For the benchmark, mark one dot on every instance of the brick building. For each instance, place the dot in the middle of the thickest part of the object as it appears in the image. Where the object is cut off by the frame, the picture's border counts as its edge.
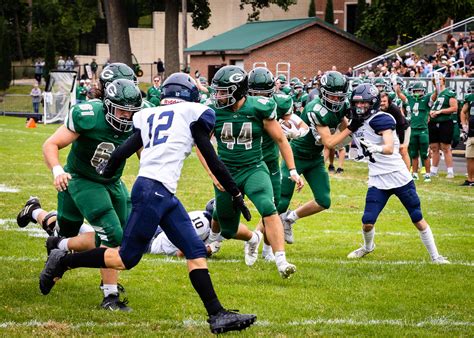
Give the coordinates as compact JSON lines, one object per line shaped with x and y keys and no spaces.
{"x":308,"y":45}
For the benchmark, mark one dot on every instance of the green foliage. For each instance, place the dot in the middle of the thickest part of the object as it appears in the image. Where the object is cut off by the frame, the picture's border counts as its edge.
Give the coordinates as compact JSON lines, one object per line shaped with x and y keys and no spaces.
{"x":361,"y":6}
{"x":393,"y":292}
{"x":386,"y":20}
{"x":200,"y":13}
{"x":5,"y":61}
{"x":257,"y":5}
{"x":329,"y":13}
{"x":312,"y":9}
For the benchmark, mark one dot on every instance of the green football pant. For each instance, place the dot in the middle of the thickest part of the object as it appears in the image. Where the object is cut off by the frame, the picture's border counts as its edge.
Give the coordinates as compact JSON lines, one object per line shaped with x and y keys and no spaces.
{"x":255,"y":183}
{"x":105,"y":206}
{"x":275,"y":177}
{"x":316,"y":176}
{"x":419,"y":143}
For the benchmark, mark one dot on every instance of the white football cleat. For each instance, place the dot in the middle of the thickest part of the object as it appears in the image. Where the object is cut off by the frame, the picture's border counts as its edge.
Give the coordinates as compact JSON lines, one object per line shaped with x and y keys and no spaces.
{"x":287,"y":227}
{"x":359,"y":253}
{"x":251,"y":250}
{"x":449,"y":176}
{"x":286,"y":270}
{"x":440,"y":260}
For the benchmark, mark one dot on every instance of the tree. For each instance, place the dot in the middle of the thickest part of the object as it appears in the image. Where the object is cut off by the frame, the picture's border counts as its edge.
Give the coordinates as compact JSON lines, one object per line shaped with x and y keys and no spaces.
{"x":117,"y":32}
{"x":329,"y":14}
{"x":312,"y":9}
{"x":171,"y":33}
{"x":257,"y":5}
{"x":361,"y":5}
{"x":384,"y":20}
{"x":5,"y":61}
{"x":49,"y":56}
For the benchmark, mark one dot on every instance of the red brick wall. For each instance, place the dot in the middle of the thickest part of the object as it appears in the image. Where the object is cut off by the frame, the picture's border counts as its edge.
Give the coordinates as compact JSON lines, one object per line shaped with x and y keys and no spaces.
{"x":308,"y":51}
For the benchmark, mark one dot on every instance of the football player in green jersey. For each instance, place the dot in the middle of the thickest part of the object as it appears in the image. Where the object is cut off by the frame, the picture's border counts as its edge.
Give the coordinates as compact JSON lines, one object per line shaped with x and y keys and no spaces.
{"x":262,"y":83}
{"x":241,"y":121}
{"x":441,"y":125}
{"x":93,"y":130}
{"x":299,"y":98}
{"x":419,"y":104}
{"x":154,"y":92}
{"x":467,"y":123}
{"x":323,"y":113}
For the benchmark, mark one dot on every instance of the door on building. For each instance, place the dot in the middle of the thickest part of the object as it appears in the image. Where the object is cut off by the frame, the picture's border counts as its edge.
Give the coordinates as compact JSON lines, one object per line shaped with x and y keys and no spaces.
{"x":212,"y":70}
{"x":351,"y":12}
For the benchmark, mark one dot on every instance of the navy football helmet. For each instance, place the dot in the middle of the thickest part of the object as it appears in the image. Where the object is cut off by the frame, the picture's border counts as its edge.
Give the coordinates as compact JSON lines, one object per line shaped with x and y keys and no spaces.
{"x":180,"y":86}
{"x":365,"y":93}
{"x":210,"y":206}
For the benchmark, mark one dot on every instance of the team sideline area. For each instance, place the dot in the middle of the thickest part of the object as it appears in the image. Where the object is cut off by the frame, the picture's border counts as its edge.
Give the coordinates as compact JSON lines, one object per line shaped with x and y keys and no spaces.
{"x":394,"y":291}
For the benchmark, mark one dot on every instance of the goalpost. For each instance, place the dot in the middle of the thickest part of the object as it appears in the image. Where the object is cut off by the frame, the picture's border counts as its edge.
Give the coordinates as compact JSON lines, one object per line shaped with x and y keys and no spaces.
{"x":59,"y":95}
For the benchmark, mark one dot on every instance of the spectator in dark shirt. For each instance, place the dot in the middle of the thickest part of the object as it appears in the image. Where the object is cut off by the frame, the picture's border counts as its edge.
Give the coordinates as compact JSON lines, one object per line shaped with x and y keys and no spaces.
{"x":402,"y":125}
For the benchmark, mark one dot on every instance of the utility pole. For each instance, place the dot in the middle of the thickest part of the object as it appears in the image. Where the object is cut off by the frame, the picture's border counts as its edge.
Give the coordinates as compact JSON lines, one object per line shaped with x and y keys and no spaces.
{"x":184,"y":8}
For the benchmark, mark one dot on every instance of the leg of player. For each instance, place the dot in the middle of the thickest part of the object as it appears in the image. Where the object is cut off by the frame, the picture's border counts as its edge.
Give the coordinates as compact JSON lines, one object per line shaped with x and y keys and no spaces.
{"x":428,"y":240}
{"x":434,"y":147}
{"x":32,"y":212}
{"x":267,"y":251}
{"x":448,"y":158}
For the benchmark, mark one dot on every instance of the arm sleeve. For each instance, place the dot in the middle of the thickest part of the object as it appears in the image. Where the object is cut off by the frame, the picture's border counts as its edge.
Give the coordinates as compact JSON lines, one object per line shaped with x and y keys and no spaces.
{"x":200,"y":133}
{"x":125,"y":150}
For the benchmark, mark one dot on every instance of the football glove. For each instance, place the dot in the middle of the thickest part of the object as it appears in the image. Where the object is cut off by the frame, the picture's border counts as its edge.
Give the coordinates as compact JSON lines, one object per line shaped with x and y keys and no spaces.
{"x":239,"y":204}
{"x":355,"y":123}
{"x":291,"y":132}
{"x":372,"y":148}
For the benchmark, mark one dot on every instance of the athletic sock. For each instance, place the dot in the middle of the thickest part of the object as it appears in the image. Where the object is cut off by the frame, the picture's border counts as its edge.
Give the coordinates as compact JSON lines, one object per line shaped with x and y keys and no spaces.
{"x":109,"y":289}
{"x":369,"y":239}
{"x":213,"y":236}
{"x":280,"y":258}
{"x":201,"y":281}
{"x":254,"y":238}
{"x":94,"y":258}
{"x":434,"y":170}
{"x":450,"y":170}
{"x":292,"y":216}
{"x":428,"y":240}
{"x":267,"y":249}
{"x":36,"y":213}
{"x":62,"y":245}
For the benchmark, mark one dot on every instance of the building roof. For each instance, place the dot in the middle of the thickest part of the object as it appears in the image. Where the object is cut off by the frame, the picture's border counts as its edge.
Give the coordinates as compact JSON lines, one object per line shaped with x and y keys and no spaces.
{"x":253,"y":35}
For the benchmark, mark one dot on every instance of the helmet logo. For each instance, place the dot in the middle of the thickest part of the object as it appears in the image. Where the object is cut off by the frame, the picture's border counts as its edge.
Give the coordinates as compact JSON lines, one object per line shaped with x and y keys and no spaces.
{"x":234,"y":78}
{"x":107,"y":74}
{"x":324,"y":80}
{"x":111,"y":90}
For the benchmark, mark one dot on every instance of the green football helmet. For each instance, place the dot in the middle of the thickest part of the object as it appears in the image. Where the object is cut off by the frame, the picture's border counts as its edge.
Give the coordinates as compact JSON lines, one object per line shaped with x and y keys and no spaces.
{"x":116,"y":71}
{"x":355,"y":83}
{"x":282,"y":79}
{"x":401,"y":83}
{"x":333,"y":91}
{"x":298,"y":87}
{"x":121,"y":94}
{"x":418,"y":89}
{"x":230,"y":84}
{"x":261,"y":82}
{"x":381,"y":84}
{"x":203,"y":80}
{"x":293,"y":81}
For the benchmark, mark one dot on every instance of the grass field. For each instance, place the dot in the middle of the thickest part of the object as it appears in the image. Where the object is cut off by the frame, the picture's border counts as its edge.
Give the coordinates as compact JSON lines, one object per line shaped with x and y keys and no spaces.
{"x":395,"y":291}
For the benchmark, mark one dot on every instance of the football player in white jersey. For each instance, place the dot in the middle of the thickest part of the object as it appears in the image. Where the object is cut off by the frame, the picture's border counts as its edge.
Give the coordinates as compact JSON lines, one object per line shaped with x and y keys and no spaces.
{"x":167,"y":135}
{"x":161,"y":244}
{"x":388,"y":174}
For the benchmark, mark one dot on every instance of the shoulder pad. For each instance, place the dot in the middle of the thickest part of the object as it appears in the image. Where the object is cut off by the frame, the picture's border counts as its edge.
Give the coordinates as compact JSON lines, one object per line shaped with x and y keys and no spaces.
{"x":264,"y":105}
{"x":84,"y":115}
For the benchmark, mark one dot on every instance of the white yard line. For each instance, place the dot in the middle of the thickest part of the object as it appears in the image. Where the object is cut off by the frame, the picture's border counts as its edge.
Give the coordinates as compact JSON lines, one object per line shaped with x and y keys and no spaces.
{"x":444,"y":322}
{"x":5,"y":188}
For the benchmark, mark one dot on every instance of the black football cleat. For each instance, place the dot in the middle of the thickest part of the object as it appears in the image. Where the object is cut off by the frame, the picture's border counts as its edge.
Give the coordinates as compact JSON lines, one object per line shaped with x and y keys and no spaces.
{"x":52,"y":271}
{"x":230,"y":320}
{"x":52,"y":243}
{"x":113,"y":303}
{"x":25,"y":216}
